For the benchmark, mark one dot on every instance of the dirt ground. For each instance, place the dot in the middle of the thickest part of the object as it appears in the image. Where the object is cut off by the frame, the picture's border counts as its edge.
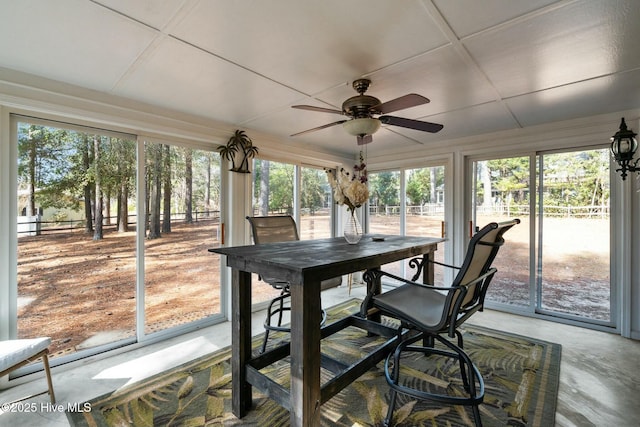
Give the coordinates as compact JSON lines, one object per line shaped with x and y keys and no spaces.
{"x":81,"y":292}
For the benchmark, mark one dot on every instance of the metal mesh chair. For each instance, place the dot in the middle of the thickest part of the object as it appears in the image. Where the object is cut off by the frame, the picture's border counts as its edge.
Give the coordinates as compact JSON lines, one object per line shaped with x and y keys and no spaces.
{"x":271,"y":229}
{"x":429,"y":312}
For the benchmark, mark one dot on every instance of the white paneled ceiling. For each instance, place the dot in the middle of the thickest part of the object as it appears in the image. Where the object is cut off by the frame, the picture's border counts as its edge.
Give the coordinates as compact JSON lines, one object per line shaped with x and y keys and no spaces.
{"x":486,"y":65}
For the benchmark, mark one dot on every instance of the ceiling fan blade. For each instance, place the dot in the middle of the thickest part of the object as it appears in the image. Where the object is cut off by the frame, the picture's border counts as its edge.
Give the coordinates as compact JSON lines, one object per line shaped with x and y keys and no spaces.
{"x":364,"y":139}
{"x":411,"y":124}
{"x":318,"y":109}
{"x":407,"y":101}
{"x":339,"y":122}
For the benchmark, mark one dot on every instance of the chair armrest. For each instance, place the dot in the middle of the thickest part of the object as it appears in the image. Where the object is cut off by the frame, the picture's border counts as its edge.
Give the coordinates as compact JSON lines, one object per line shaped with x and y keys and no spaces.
{"x":418,"y":264}
{"x":377,"y":274}
{"x":443,"y":264}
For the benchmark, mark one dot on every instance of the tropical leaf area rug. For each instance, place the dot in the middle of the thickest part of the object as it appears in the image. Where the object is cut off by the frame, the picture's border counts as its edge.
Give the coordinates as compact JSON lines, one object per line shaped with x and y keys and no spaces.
{"x":521,"y":385}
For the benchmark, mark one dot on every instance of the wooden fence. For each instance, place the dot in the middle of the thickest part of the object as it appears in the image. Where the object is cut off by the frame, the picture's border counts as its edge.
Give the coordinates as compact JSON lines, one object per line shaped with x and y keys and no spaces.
{"x":437,"y":209}
{"x":35,"y":227}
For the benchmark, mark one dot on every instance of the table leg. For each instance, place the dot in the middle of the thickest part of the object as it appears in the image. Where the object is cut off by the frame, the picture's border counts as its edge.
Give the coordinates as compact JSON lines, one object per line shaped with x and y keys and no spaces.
{"x":376,"y":290}
{"x":305,"y":354}
{"x":240,"y":341}
{"x":428,"y":278}
{"x":428,"y":272}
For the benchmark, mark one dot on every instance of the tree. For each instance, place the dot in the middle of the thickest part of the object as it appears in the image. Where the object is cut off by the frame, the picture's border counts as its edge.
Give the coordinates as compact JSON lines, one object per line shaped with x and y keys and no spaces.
{"x":207,"y":188}
{"x":154,"y":172}
{"x":419,"y":186}
{"x":264,"y":187}
{"x":205,"y":180}
{"x":188,"y":185}
{"x":32,"y":146}
{"x":41,"y":163}
{"x":313,"y":189}
{"x":281,"y":187}
{"x":123,"y":160}
{"x":385,"y":188}
{"x":87,"y":190}
{"x":166,"y":193}
{"x":98,"y":232}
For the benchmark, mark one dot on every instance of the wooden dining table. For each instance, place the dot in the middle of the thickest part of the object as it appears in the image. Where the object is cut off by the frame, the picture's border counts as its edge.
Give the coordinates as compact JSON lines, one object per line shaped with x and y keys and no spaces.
{"x":304,"y":264}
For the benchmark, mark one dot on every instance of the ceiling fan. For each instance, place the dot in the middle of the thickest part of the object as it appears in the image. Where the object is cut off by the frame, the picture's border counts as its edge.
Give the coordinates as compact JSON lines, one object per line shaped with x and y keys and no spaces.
{"x":361,"y":108}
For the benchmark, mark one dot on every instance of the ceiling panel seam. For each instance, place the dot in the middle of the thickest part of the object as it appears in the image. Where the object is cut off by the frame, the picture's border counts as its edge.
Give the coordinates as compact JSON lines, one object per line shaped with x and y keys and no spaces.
{"x":468,"y":59}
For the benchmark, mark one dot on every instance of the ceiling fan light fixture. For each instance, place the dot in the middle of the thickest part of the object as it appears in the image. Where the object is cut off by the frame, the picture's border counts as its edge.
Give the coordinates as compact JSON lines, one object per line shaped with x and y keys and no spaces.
{"x":361,"y":109}
{"x":361,"y":126}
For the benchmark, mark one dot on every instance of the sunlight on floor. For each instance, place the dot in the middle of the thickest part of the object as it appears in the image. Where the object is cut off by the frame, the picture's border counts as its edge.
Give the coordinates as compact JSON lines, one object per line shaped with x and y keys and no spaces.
{"x":159,"y":361}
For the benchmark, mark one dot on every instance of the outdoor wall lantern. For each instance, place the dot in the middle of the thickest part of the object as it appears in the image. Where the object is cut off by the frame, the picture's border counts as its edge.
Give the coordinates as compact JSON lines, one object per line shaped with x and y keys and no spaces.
{"x":623,"y":148}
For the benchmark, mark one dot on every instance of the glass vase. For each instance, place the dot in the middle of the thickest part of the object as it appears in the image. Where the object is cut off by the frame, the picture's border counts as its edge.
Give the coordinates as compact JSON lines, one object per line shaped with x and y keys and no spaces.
{"x":352,"y":229}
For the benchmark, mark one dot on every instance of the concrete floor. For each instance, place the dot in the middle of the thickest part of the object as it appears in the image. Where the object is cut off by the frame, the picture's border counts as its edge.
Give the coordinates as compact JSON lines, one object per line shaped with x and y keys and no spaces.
{"x":599,"y":374}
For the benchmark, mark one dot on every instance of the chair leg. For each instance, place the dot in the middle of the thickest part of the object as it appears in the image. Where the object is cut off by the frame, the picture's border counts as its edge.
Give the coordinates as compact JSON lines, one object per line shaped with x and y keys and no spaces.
{"x":270,"y":313}
{"x":280,"y":309}
{"x":392,"y":404}
{"x":264,"y":341}
{"x":45,"y":362}
{"x":463,"y":370}
{"x":267,"y":327}
{"x":283,"y":295}
{"x":393,"y":378}
{"x":427,"y":342}
{"x":468,"y":372}
{"x":476,"y":415}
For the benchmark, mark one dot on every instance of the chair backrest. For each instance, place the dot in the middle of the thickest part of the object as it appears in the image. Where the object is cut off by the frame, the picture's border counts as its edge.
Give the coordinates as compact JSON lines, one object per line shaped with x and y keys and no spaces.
{"x":271,"y":229}
{"x":482,"y":250}
{"x":281,"y":228}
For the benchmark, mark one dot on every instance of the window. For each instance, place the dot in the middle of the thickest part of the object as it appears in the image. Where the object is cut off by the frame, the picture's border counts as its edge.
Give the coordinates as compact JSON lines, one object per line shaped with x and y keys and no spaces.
{"x":408,"y":202}
{"x":276,"y":192}
{"x":315,"y":204}
{"x":424,"y":188}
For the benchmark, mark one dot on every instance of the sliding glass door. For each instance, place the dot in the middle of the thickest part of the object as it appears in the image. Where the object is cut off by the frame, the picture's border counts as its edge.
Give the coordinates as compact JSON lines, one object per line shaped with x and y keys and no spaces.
{"x":567,"y":212}
{"x":574,"y":235}
{"x":502,"y":191}
{"x":98,"y":214}
{"x":76,"y":242}
{"x":182,"y":282}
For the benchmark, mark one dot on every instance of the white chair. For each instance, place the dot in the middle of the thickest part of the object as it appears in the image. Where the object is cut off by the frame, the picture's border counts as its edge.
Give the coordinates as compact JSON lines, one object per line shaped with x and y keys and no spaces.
{"x":17,"y":353}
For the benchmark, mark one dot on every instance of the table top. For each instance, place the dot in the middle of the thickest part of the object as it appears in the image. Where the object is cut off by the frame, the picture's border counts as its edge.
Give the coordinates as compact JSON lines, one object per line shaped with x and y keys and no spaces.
{"x":321,"y":259}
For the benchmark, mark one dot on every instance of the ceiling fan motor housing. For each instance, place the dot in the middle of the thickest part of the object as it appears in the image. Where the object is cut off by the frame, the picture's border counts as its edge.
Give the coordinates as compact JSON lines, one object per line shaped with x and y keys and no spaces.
{"x":360,"y":106}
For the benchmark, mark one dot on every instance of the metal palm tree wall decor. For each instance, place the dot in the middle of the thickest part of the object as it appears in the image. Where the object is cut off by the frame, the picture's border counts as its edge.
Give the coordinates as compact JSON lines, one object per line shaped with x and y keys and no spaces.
{"x":239,"y":142}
